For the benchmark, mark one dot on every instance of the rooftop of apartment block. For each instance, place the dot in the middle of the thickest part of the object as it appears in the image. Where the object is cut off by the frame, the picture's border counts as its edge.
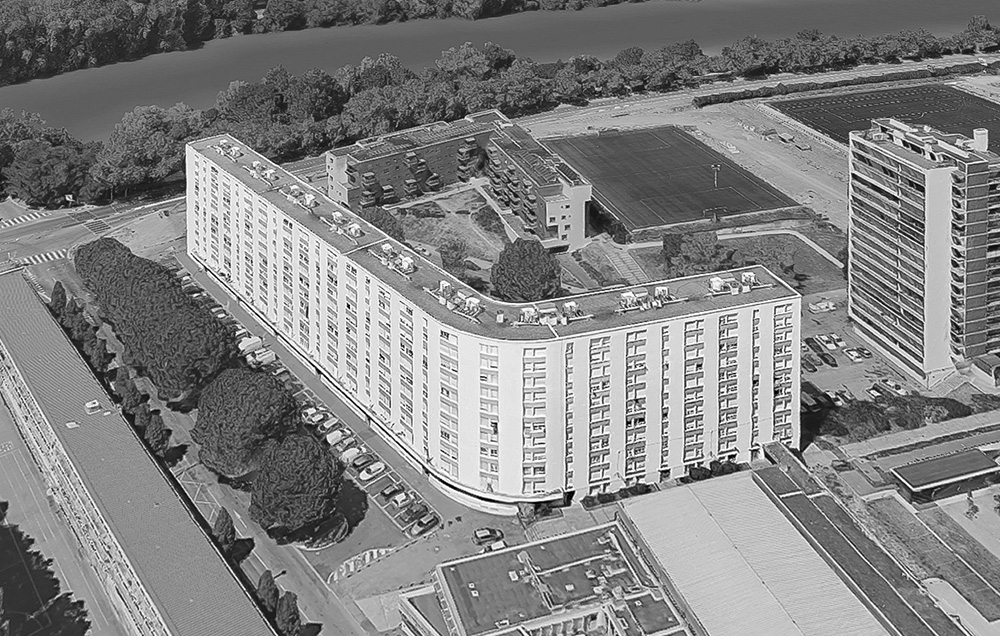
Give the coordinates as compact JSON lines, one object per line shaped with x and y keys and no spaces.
{"x":451,"y":301}
{"x":598,"y":568}
{"x":191,"y":585}
{"x":413,"y":139}
{"x":916,"y":142}
{"x":540,"y":164}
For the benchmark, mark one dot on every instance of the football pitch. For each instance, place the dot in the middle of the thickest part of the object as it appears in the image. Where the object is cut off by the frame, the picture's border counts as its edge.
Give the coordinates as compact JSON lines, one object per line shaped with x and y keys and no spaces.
{"x":940,"y":106}
{"x":663,"y":176}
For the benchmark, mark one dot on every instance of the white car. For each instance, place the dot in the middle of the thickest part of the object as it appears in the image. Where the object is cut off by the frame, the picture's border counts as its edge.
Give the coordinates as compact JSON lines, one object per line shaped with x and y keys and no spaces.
{"x":837,"y":340}
{"x":348,"y":455}
{"x":853,"y":355}
{"x":337,"y":436}
{"x":318,"y":418}
{"x":328,"y":425}
{"x":372,"y":471}
{"x":401,"y":500}
{"x":826,"y":342}
{"x":309,"y":411}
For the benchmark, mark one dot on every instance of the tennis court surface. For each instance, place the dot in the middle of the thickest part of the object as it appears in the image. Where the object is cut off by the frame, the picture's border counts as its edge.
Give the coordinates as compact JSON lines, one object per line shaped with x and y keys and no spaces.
{"x":663,"y":176}
{"x":939,"y":106}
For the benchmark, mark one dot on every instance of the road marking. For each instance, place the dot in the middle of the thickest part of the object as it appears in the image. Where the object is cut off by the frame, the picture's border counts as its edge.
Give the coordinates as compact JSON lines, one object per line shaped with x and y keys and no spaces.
{"x":44,"y":257}
{"x":156,"y":203}
{"x":24,"y":219}
{"x":97,"y":226}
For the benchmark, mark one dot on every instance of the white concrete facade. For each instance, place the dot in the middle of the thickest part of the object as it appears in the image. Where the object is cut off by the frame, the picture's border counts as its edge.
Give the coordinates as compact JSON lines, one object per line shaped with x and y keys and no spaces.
{"x":496,"y":420}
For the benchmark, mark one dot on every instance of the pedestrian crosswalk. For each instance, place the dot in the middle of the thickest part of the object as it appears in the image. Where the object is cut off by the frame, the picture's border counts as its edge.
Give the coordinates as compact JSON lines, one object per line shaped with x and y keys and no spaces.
{"x":97,"y":226}
{"x":359,"y":562}
{"x":24,"y":219}
{"x":45,"y":257}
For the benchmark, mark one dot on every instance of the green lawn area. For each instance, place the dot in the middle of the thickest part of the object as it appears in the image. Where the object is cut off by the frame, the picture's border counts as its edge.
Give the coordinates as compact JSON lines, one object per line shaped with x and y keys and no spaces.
{"x":787,"y":256}
{"x":433,"y":223}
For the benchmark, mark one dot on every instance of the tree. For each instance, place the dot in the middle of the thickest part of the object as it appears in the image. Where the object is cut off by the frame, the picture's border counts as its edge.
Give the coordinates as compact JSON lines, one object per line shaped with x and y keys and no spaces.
{"x":142,"y":416}
{"x":237,"y":413}
{"x":385,"y":221}
{"x":147,"y":146}
{"x":98,"y":355}
{"x":42,"y":174}
{"x":157,"y":435}
{"x":316,"y":96}
{"x":287,"y":616}
{"x":57,"y":305}
{"x":166,"y":334}
{"x":267,"y":592}
{"x":672,"y":245}
{"x":127,"y":390}
{"x":453,"y":253}
{"x":971,"y":510}
{"x":525,"y":272}
{"x":224,"y":531}
{"x":297,"y":485}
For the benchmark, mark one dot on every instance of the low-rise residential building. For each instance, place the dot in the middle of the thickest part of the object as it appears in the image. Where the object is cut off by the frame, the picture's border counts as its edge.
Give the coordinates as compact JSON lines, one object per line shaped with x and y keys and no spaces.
{"x":500,"y":403}
{"x":162,"y":573}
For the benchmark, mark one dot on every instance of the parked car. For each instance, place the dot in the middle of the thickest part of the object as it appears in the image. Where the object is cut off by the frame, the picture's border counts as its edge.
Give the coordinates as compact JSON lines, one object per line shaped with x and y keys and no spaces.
{"x":814,"y":344}
{"x":893,"y":386}
{"x":391,"y":491}
{"x":837,"y":340}
{"x":845,"y":397}
{"x":336,"y":436}
{"x":828,"y":359}
{"x":348,"y":455}
{"x":413,"y":512}
{"x":372,"y":471}
{"x":424,"y":525}
{"x":827,"y":342}
{"x":808,"y":366}
{"x":865,"y":353}
{"x":241,"y":333}
{"x":493,"y":547}
{"x":279,"y":371}
{"x":876,"y":392}
{"x":812,"y":360}
{"x":363,"y":461}
{"x":853,"y":355}
{"x":836,"y":399}
{"x":401,"y":500}
{"x":344,"y":444}
{"x":804,"y":347}
{"x":309,"y":411}
{"x":484,"y":536}
{"x":328,"y":425}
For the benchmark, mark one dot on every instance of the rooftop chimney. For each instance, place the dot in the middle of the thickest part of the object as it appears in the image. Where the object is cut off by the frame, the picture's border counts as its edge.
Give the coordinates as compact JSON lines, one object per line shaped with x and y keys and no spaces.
{"x":981,"y":139}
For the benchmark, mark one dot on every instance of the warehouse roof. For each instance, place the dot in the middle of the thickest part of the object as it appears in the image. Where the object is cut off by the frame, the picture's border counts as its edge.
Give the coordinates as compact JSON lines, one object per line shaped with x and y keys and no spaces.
{"x":948,"y":469}
{"x":192,"y":587}
{"x":741,"y":565}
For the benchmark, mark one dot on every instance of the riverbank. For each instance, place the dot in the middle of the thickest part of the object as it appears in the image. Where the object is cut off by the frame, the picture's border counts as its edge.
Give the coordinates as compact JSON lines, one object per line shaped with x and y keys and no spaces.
{"x":89,"y":103}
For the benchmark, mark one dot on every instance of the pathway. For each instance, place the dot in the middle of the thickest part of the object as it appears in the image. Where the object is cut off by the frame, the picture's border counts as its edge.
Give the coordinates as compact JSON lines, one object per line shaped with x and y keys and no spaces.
{"x":624,"y":263}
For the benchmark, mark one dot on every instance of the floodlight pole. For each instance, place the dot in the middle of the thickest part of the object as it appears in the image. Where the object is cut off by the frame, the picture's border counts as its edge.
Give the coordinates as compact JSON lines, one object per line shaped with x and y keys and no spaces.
{"x":715,"y":173}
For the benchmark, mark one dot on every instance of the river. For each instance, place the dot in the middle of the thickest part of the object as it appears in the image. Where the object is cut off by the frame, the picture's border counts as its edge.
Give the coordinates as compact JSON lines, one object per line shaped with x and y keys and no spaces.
{"x":90,"y":102}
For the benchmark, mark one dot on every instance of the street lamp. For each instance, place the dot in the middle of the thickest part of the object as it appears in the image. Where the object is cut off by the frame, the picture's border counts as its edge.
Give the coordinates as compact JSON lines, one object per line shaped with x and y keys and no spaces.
{"x":715,"y":173}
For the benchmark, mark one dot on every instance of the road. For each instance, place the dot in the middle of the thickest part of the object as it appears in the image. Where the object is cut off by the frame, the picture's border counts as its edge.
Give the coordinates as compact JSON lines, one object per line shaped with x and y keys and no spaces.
{"x":573,"y":118}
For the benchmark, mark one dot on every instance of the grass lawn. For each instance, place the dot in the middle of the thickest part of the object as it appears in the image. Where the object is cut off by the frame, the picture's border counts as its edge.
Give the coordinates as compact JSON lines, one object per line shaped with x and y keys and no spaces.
{"x":984,"y":562}
{"x":935,"y":557}
{"x":809,"y":273}
{"x":595,"y":262}
{"x":435,"y":231}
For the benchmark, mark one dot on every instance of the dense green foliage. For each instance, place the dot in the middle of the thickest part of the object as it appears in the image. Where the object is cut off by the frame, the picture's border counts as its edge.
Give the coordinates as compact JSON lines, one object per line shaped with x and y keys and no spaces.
{"x":385,"y":221}
{"x":224,"y":531}
{"x":31,"y":600}
{"x":237,"y":413}
{"x":286,"y":117}
{"x":267,"y":592}
{"x":296,"y":487}
{"x":863,"y":419}
{"x":525,"y":272}
{"x":287,"y":616}
{"x":130,"y":395}
{"x":156,"y":434}
{"x":166,"y":335}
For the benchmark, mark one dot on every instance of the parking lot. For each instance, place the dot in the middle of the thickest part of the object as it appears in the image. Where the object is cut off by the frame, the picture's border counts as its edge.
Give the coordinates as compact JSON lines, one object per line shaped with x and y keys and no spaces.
{"x":403,"y":506}
{"x":853,"y":378}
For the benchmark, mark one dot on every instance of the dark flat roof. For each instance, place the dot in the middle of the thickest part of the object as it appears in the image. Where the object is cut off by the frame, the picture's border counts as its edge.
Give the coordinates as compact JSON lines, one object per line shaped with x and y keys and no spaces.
{"x":191,"y":586}
{"x":931,"y":473}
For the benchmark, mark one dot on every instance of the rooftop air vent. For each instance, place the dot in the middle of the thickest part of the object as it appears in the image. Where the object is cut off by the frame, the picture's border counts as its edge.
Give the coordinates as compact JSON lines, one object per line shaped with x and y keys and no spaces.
{"x":72,"y":425}
{"x":92,"y":407}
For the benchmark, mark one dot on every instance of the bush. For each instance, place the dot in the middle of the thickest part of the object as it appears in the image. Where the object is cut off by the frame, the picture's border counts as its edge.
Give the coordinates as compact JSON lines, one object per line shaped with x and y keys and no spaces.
{"x":489,"y":219}
{"x":606,"y":497}
{"x":589,"y":501}
{"x":525,"y":272}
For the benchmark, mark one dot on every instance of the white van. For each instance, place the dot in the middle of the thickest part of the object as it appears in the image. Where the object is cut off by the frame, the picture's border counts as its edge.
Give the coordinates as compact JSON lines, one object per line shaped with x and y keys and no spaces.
{"x":337,"y":435}
{"x":348,"y":455}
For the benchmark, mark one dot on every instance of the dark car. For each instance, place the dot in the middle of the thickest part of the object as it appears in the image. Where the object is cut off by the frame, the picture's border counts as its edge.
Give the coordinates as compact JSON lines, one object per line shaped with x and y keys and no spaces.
{"x":363,"y":461}
{"x":391,"y":491}
{"x":424,"y":525}
{"x":808,"y":366}
{"x":865,"y":353}
{"x":828,"y":359}
{"x":486,"y":536}
{"x":814,"y":344}
{"x":413,"y":512}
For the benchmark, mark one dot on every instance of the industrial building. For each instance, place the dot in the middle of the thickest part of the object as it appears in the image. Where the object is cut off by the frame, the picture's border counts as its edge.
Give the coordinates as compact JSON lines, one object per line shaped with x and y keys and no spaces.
{"x":542,"y":195}
{"x":161,"y":572}
{"x":924,"y":271}
{"x":500,"y":403}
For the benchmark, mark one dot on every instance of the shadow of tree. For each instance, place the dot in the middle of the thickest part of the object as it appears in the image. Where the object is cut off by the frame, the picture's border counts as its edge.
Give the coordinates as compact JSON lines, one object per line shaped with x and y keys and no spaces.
{"x":241,"y":550}
{"x":175,"y":454}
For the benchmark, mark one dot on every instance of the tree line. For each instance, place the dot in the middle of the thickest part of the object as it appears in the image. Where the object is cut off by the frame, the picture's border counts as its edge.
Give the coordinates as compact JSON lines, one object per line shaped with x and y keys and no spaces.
{"x":285,"y":116}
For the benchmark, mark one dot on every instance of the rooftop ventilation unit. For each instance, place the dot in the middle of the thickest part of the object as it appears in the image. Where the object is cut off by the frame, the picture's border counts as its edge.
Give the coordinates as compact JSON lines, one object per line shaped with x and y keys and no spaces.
{"x":354,"y":230}
{"x":72,"y":425}
{"x":748,"y":278}
{"x":92,"y":407}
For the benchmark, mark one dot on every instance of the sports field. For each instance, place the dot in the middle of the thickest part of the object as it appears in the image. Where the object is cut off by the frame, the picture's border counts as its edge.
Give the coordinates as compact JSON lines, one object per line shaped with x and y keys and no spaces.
{"x":937,"y":105}
{"x":663,"y":176}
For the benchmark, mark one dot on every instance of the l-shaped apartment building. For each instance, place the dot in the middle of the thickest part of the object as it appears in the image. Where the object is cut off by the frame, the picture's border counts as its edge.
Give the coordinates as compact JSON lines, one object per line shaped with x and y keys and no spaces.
{"x":500,"y":403}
